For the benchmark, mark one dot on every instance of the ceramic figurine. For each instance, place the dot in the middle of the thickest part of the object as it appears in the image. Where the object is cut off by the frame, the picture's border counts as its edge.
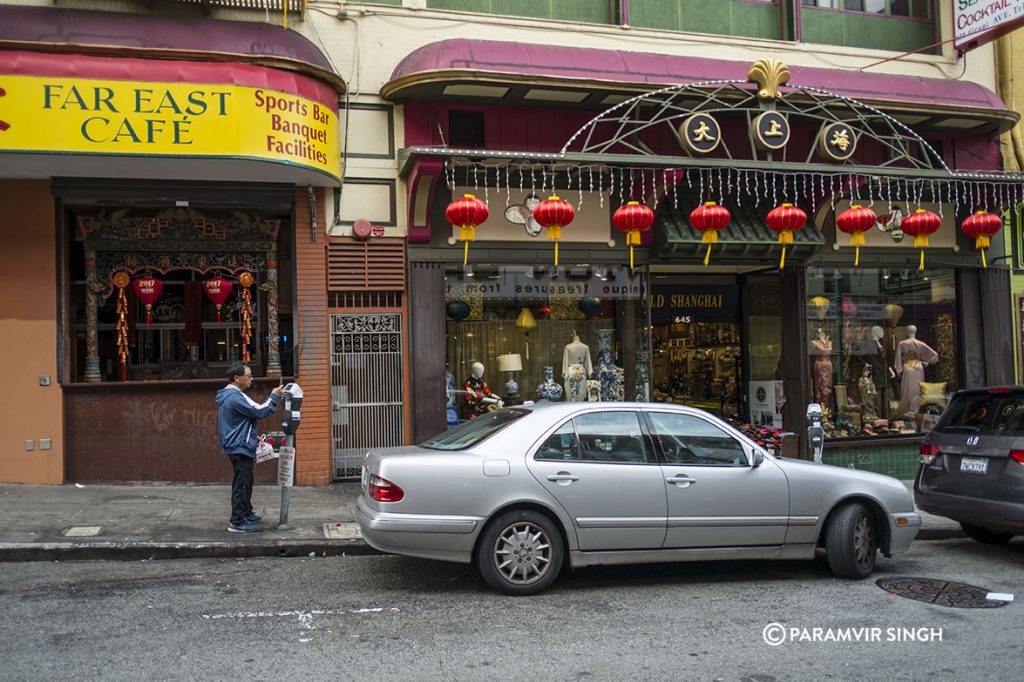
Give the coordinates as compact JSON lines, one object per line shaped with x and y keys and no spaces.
{"x":605,"y":371}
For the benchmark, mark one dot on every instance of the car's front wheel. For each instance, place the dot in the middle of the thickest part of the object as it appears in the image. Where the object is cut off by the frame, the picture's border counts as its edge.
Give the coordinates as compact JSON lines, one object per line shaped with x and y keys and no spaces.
{"x":989,"y":537}
{"x":520,"y":552}
{"x":851,"y":541}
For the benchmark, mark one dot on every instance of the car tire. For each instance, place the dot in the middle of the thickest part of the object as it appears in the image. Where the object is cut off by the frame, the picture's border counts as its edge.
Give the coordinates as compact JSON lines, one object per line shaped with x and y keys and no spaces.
{"x":520,"y":553}
{"x":851,"y":541}
{"x":989,"y":537}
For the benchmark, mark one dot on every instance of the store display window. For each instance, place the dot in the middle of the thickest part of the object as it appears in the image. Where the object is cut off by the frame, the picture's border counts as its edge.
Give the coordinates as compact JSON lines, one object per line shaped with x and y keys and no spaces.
{"x":882,"y":348}
{"x":531,"y":333}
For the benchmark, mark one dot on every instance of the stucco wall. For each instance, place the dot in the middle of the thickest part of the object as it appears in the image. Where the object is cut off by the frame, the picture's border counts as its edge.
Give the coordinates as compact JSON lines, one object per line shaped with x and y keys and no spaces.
{"x":28,"y":336}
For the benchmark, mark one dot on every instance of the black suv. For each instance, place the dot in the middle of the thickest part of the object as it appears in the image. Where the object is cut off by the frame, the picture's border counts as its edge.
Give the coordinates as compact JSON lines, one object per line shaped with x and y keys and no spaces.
{"x":972,"y":464}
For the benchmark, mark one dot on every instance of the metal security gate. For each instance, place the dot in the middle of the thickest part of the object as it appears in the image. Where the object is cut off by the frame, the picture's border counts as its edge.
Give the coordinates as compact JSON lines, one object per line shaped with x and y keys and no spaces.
{"x":366,"y":387}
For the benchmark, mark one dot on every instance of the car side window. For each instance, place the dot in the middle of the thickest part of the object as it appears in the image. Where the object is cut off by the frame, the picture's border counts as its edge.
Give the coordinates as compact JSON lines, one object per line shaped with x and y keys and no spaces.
{"x":611,"y":437}
{"x":560,"y":445}
{"x":686,"y":439}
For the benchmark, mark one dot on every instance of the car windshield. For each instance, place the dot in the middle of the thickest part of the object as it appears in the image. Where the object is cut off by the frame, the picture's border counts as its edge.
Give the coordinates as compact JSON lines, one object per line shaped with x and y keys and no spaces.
{"x":987,"y":414}
{"x":475,"y":430}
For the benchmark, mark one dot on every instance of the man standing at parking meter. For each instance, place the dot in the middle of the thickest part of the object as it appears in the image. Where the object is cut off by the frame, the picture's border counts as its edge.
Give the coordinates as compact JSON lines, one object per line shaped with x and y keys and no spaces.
{"x":237,"y":415}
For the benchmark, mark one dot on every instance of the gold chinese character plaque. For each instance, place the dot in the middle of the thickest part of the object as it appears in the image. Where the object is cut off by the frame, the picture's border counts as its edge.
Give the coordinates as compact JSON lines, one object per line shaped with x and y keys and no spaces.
{"x":700,"y":133}
{"x":837,"y":141}
{"x":771,"y":130}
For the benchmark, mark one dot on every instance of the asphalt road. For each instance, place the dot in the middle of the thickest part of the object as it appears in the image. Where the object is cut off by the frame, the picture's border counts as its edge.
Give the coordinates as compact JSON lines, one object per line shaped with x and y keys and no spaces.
{"x":387,"y":618}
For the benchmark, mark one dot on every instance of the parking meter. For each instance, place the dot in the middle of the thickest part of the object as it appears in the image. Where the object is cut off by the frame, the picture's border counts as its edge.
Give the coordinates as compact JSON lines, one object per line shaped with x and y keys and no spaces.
{"x":291,"y":415}
{"x":290,"y":419}
{"x":815,"y":431}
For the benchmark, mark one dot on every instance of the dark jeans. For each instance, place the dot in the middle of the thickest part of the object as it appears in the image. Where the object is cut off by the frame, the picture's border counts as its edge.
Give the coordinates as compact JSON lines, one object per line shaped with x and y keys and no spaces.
{"x":241,"y":487}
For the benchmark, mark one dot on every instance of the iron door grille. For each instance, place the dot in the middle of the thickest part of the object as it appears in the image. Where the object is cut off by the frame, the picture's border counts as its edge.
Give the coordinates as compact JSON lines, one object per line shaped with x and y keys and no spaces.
{"x":366,"y":387}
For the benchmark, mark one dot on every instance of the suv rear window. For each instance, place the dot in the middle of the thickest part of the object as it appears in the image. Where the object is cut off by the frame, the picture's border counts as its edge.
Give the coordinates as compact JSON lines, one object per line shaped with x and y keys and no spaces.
{"x":987,"y":414}
{"x":475,"y":430}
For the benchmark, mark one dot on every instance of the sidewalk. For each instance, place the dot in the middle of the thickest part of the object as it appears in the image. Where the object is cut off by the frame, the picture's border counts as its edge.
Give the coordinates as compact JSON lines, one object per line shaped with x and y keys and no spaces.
{"x":135,"y":522}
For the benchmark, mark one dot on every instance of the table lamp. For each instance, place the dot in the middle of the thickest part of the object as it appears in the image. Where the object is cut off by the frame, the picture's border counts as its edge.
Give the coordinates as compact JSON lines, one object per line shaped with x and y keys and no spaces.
{"x":510,"y":362}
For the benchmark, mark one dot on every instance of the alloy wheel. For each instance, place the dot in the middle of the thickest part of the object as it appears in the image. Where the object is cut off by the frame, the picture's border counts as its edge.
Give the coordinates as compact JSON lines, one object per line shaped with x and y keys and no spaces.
{"x":522,"y":553}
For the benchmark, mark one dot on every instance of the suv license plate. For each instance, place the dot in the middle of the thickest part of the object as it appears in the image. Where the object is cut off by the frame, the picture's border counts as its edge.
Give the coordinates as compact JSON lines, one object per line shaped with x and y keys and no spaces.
{"x":974,"y":465}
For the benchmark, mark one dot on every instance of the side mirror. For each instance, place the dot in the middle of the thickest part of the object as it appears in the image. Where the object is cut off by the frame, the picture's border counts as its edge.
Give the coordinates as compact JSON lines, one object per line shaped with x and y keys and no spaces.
{"x":758,"y":458}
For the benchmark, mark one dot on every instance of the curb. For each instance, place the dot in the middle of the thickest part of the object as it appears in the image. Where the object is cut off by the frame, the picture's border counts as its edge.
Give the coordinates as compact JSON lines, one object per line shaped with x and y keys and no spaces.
{"x":144,"y":551}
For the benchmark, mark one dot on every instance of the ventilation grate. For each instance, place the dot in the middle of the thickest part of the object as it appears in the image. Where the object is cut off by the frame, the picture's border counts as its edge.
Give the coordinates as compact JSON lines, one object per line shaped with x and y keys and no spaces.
{"x":376,"y":265}
{"x":365,"y":299}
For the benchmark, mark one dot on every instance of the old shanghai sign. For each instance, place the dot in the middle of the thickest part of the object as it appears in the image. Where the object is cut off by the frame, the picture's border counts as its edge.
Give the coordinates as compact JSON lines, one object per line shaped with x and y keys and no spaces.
{"x":979,"y":21}
{"x":80,"y":115}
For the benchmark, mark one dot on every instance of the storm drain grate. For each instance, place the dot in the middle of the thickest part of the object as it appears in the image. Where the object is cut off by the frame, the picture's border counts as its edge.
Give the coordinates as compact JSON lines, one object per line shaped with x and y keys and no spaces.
{"x":942,"y":592}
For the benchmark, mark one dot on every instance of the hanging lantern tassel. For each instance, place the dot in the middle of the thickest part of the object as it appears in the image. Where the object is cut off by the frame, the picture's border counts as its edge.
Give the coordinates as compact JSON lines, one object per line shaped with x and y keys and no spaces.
{"x":121,"y":280}
{"x":855,"y":221}
{"x":633,"y":218}
{"x":709,"y":218}
{"x":919,"y":225}
{"x":786,"y":219}
{"x":246,"y":280}
{"x":981,"y":226}
{"x":554,"y":213}
{"x":467,"y":213}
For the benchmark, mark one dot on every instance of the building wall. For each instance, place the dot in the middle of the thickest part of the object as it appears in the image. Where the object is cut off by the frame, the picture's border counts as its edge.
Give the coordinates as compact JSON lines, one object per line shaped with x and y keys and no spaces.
{"x":313,"y":439}
{"x":28,"y":329}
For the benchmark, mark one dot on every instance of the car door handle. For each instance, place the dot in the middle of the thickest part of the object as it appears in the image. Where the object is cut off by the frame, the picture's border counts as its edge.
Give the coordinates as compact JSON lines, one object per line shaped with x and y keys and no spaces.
{"x":563,"y":476}
{"x":681,"y":480}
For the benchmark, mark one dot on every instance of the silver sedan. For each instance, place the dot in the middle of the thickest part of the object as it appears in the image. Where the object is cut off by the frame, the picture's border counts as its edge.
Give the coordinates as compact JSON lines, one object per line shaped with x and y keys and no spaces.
{"x":526,"y":492}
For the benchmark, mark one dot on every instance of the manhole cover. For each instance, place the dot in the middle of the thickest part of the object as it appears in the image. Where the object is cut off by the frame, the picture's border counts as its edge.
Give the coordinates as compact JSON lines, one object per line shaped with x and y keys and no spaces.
{"x":942,"y":592}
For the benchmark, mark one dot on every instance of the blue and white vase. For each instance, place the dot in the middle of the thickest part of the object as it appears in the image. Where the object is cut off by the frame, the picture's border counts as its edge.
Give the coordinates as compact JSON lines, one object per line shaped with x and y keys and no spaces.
{"x":549,"y":390}
{"x":605,"y":371}
{"x":449,"y":390}
{"x":643,"y":373}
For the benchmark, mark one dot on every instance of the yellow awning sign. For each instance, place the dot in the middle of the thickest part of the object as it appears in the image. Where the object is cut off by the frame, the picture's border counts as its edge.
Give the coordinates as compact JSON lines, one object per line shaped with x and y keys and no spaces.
{"x":76,"y":115}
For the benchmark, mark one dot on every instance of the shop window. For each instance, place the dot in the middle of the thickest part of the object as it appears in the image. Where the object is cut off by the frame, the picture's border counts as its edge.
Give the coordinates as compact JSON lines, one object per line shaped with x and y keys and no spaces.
{"x":882,"y":352}
{"x":896,"y":25}
{"x":183,"y":335}
{"x":536,"y":334}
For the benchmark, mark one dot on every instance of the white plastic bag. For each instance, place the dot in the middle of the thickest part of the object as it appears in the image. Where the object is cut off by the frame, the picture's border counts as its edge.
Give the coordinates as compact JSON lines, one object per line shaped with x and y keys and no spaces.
{"x":264,"y":450}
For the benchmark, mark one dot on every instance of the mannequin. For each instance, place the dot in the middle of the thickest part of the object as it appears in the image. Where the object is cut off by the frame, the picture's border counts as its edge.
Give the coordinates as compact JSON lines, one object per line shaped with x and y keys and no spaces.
{"x":479,"y":397}
{"x":576,"y":368}
{"x":868,"y":396}
{"x":912,"y":356}
{"x":821,"y":348}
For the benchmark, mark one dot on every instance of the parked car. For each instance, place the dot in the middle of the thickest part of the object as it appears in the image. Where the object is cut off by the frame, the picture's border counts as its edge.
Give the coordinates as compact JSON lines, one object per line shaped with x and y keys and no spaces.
{"x":525,"y":491}
{"x":972,"y":464}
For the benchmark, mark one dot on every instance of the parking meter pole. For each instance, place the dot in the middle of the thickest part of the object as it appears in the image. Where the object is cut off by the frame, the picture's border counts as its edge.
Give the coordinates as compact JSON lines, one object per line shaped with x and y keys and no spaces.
{"x":282,"y":523}
{"x":815,"y":431}
{"x":290,"y":418}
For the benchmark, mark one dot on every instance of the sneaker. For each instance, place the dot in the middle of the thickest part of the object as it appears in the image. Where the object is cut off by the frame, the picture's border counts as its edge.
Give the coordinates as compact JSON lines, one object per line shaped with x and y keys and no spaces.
{"x":244,"y":527}
{"x":252,"y":518}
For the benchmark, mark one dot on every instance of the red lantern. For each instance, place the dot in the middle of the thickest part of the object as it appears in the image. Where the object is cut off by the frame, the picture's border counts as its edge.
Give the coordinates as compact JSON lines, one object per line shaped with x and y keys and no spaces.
{"x":633,"y":218}
{"x":709,"y":218}
{"x":554,"y":213}
{"x":217,"y":290}
{"x":121,"y":280}
{"x":919,"y":225}
{"x":148,"y":289}
{"x":246,"y":280}
{"x":855,"y":221}
{"x":786,"y":219}
{"x":981,"y":226}
{"x":467,"y":213}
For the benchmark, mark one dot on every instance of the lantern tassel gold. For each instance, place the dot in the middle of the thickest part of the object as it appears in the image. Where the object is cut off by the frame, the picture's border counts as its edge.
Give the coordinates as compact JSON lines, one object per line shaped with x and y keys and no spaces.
{"x":707,"y":255}
{"x":782,"y":261}
{"x":465,"y":253}
{"x":921,"y":266}
{"x":983,"y":263}
{"x":556,"y":254}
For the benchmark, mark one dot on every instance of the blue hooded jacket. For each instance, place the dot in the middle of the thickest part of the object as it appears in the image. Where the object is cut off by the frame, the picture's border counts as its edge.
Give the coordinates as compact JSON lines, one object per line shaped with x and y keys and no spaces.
{"x":237,"y":414}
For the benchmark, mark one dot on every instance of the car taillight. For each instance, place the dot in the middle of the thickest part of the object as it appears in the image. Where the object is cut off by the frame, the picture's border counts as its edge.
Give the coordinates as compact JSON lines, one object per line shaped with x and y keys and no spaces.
{"x":383,"y":490}
{"x":999,"y":390}
{"x":1017,"y":456}
{"x":929,"y":451}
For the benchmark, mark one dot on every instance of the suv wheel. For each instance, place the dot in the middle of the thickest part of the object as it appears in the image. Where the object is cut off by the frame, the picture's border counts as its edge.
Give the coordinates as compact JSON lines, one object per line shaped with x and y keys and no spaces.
{"x":989,"y":537}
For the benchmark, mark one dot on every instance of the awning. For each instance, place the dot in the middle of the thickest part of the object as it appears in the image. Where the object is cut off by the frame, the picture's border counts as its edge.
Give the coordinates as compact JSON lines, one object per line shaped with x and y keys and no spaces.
{"x":530,"y":74}
{"x":55,"y":29}
{"x":747,"y":237}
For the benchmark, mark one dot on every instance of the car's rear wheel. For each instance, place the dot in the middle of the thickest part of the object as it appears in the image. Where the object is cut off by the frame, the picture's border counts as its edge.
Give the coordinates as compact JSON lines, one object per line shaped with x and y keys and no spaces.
{"x":851,"y":541}
{"x":520,"y":552}
{"x":989,"y":537}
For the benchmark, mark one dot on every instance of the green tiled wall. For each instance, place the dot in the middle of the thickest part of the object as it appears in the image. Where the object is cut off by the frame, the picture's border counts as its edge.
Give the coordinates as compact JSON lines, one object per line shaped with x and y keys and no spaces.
{"x":894,"y":460}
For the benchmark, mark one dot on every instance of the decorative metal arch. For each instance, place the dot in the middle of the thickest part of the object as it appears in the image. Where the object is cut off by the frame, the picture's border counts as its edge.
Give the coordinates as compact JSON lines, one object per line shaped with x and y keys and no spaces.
{"x":617,"y":131}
